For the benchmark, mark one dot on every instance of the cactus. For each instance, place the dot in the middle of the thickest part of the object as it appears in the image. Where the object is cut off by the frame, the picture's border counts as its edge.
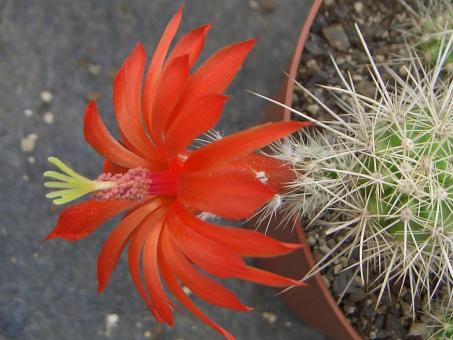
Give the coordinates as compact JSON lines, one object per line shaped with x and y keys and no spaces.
{"x":428,"y":24}
{"x":381,"y":176}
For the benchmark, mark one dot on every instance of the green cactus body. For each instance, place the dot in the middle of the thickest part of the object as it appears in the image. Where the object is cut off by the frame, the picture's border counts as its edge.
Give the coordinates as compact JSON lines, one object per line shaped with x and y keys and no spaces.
{"x":414,"y":160}
{"x":380,"y":176}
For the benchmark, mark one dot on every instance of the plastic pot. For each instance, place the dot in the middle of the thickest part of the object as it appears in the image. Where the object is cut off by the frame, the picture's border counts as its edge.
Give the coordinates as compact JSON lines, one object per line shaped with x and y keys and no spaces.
{"x":314,"y":304}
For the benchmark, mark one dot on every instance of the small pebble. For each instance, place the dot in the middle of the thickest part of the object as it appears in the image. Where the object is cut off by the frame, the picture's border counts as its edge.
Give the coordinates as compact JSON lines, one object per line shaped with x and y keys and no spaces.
{"x":418,"y":328}
{"x":31,"y":160}
{"x":336,"y":36}
{"x":313,"y":108}
{"x":28,"y":113}
{"x":340,"y":60}
{"x":48,"y":118}
{"x":254,"y":4}
{"x":337,"y":269}
{"x":269,"y":317}
{"x":147,"y":334}
{"x":268,"y":6}
{"x":46,"y":96}
{"x":312,"y":64}
{"x":426,"y":318}
{"x":329,"y":2}
{"x":28,"y":143}
{"x":358,"y":7}
{"x":358,"y":280}
{"x":311,"y":240}
{"x":94,"y":69}
{"x":402,"y":70}
{"x":350,"y":309}
{"x":111,"y":322}
{"x":406,"y":308}
{"x":379,"y":58}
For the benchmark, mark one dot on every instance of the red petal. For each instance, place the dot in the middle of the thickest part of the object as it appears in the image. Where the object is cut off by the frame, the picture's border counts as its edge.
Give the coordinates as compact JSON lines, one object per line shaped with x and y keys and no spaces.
{"x":216,"y":73}
{"x":126,"y":98}
{"x":231,"y":195}
{"x":191,"y":44}
{"x":239,"y":144}
{"x":155,"y":66}
{"x":200,"y":115}
{"x":171,"y":84}
{"x":114,"y":245}
{"x":81,"y":219}
{"x":112,"y":168}
{"x":242,"y":241}
{"x":134,"y":255}
{"x":277,"y":172}
{"x":267,"y":278}
{"x":200,"y":285}
{"x":212,"y":257}
{"x":174,"y":287}
{"x":217,"y":259}
{"x":102,"y":141}
{"x":151,"y":274}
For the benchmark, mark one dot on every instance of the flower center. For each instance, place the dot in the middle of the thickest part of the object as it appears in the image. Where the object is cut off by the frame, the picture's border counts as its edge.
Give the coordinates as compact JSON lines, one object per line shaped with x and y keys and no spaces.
{"x":134,"y":185}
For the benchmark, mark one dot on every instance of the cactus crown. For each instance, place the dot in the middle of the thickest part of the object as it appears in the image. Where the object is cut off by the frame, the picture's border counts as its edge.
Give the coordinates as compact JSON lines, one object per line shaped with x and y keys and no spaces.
{"x":381,"y":175}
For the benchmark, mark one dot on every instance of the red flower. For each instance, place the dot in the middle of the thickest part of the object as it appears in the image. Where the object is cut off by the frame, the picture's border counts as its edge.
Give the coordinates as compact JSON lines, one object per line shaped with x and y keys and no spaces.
{"x":163,"y":186}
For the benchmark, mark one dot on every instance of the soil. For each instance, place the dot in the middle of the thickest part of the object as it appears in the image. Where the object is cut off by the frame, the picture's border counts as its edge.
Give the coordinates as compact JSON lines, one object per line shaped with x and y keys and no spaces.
{"x":333,"y":33}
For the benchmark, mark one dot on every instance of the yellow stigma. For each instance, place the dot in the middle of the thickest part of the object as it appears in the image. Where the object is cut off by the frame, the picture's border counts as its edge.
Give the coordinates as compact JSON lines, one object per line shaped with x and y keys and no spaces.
{"x":71,"y":185}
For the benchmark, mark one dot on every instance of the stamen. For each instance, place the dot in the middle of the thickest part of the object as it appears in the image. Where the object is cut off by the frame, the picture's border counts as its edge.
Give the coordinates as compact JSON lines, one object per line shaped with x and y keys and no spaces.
{"x":134,"y":185}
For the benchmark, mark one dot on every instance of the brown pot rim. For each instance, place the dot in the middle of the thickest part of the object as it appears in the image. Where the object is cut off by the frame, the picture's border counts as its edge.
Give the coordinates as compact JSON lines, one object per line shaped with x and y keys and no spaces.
{"x":333,"y":322}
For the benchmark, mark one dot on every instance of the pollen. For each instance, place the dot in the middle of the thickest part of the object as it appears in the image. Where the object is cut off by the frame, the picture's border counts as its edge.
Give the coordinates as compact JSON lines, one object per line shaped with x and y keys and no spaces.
{"x":134,"y":185}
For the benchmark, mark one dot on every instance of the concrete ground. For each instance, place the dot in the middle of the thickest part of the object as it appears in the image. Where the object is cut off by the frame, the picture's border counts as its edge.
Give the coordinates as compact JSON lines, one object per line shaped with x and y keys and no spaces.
{"x":72,"y":49}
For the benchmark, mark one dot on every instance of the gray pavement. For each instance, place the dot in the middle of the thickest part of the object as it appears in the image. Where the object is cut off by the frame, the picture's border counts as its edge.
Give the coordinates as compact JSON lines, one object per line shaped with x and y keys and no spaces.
{"x":71,"y":48}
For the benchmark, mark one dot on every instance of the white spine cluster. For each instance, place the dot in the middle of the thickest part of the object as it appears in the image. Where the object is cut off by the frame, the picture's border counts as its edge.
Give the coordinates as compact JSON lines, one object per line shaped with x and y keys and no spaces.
{"x":381,"y":176}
